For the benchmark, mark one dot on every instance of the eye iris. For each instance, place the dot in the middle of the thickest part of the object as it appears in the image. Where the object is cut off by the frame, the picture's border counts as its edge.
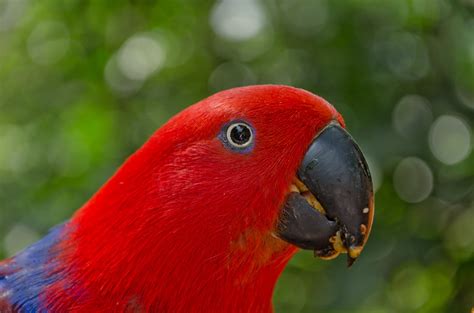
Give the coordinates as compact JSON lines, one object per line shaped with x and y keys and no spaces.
{"x":240,"y":134}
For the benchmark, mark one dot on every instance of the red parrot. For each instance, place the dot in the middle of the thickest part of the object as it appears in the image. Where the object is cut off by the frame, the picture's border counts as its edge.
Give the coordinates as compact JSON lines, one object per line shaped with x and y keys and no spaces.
{"x":207,"y":213}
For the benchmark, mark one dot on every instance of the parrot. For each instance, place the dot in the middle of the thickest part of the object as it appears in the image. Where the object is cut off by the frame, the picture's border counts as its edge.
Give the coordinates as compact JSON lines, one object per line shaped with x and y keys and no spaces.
{"x":205,"y":216}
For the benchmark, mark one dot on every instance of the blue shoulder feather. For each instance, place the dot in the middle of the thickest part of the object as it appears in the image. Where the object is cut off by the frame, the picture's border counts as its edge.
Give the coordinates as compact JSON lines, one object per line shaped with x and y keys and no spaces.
{"x":24,"y":277}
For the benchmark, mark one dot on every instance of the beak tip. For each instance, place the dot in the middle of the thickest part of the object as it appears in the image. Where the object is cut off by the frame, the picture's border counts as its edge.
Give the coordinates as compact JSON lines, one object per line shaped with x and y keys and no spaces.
{"x":350,"y":261}
{"x":353,"y":252}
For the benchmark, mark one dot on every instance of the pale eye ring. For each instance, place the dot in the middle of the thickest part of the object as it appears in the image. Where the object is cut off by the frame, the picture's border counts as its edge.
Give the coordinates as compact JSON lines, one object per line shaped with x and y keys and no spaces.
{"x":239,"y":135}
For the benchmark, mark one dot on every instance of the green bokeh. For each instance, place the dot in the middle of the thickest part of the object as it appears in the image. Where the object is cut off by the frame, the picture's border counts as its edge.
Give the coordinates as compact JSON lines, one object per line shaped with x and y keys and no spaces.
{"x":83,"y":84}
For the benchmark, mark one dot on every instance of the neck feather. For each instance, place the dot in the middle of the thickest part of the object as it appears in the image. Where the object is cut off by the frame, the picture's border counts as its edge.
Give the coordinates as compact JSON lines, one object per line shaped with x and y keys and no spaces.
{"x":165,"y":264}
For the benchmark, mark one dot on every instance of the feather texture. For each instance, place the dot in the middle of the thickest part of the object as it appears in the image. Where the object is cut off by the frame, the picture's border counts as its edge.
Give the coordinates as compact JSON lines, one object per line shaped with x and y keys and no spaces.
{"x":24,"y":278}
{"x":185,"y":225}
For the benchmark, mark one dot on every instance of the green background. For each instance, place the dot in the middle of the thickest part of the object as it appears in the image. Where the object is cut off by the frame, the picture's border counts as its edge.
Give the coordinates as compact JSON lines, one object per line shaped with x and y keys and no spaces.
{"x":84,"y":83}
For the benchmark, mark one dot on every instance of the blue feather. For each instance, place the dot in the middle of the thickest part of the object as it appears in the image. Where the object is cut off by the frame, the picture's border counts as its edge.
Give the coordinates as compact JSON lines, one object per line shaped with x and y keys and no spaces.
{"x":25,"y":277}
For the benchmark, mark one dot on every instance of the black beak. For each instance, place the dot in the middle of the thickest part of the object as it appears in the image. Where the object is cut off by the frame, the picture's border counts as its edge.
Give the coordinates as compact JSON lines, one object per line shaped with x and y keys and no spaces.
{"x":333,"y":175}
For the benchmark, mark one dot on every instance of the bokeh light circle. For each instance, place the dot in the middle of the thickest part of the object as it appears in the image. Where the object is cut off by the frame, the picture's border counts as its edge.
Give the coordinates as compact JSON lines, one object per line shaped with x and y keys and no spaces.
{"x":141,"y":56}
{"x":411,"y":114}
{"x":450,"y":139}
{"x":237,"y":20}
{"x":48,"y":42}
{"x":410,"y":288}
{"x":459,"y":237}
{"x":413,"y":180}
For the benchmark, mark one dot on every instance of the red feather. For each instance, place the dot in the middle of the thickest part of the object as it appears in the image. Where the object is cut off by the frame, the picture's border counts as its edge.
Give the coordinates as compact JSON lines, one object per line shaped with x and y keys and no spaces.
{"x":185,"y":225}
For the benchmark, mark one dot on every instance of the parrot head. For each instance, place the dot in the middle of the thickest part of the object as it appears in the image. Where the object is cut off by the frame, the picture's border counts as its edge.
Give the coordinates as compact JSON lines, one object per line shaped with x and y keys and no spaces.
{"x":217,"y":201}
{"x":278,"y":161}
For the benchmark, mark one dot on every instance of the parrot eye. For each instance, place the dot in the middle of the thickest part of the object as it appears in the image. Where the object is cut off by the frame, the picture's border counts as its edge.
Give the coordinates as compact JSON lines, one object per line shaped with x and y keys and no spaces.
{"x":237,"y":136}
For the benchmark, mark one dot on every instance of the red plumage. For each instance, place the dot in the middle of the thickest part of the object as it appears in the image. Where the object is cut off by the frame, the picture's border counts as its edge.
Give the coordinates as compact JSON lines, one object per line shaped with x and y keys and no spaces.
{"x":185,"y":225}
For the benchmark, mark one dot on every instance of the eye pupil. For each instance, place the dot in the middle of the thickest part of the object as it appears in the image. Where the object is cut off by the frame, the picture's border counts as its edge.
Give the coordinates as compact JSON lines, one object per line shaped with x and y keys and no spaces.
{"x":240,"y":134}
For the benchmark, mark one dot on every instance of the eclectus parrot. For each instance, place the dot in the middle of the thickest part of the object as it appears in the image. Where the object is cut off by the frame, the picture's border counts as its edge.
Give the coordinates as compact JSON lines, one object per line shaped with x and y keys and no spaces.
{"x":207,"y":213}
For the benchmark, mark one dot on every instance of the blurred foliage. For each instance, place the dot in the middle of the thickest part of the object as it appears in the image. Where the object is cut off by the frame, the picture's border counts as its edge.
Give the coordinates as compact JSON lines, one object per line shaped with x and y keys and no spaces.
{"x":83,"y":84}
